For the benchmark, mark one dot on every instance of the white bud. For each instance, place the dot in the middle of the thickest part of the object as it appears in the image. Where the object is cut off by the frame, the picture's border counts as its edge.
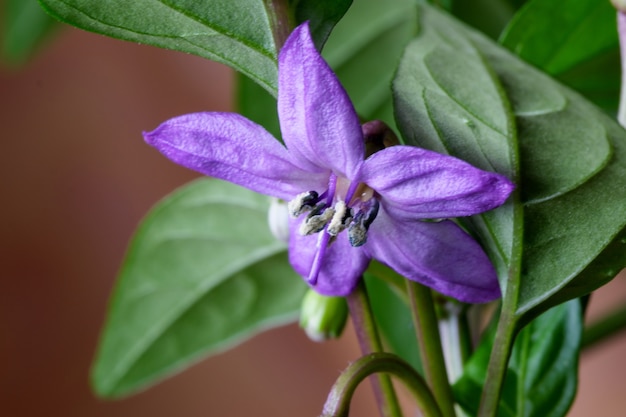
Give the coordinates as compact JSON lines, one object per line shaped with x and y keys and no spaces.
{"x":278,"y":219}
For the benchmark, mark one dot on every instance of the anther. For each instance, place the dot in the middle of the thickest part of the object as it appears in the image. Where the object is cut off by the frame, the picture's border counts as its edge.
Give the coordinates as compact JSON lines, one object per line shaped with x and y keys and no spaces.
{"x":303,"y":202}
{"x":357,"y":231}
{"x":341,"y":218}
{"x":317,"y":220}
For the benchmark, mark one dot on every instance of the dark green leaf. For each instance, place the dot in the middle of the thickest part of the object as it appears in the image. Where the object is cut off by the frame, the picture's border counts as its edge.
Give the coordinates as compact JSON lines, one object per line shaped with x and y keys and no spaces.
{"x":25,"y":27}
{"x":257,"y":105}
{"x":447,"y":99}
{"x":542,"y":373}
{"x":572,"y":156}
{"x":202,"y":273}
{"x":322,"y":15}
{"x":488,"y":16}
{"x":574,"y":240}
{"x":573,"y":40}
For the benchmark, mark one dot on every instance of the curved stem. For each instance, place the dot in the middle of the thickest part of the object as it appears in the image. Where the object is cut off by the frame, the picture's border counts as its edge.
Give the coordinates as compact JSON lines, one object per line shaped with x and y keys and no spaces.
{"x":338,"y":403}
{"x":367,"y":334}
{"x":429,"y":342}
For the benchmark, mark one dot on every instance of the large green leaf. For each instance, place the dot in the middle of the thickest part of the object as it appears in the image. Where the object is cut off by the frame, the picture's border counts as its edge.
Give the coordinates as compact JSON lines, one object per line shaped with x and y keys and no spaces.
{"x":25,"y":27}
{"x":239,"y":33}
{"x":202,"y":273}
{"x":448,"y":100}
{"x":542,"y":374}
{"x":573,"y":40}
{"x":572,"y":156}
{"x":574,"y":240}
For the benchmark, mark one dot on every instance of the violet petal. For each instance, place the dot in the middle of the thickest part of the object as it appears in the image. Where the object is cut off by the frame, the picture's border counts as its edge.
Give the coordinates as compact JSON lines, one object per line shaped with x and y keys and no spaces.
{"x":231,"y":147}
{"x":439,"y":255}
{"x":342,"y":265}
{"x":416,"y":183}
{"x":318,"y":122}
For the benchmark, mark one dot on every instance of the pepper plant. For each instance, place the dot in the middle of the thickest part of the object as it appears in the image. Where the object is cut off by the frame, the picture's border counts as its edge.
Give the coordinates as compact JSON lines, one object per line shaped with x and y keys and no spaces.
{"x":441,"y":160}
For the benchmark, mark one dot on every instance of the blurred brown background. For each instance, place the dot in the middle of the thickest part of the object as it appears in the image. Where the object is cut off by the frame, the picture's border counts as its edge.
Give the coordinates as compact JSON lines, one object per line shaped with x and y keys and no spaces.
{"x":76,"y":178}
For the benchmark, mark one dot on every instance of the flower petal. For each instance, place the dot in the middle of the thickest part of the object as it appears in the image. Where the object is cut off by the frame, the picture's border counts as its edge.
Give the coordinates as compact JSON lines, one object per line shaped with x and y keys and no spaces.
{"x":342,"y":265}
{"x":439,"y":255}
{"x":317,"y":120}
{"x":235,"y":149}
{"x":416,"y":183}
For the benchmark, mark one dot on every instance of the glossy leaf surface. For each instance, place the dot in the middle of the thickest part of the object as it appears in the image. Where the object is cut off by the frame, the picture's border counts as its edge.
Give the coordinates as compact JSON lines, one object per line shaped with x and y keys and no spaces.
{"x":455,"y":91}
{"x":202,"y":273}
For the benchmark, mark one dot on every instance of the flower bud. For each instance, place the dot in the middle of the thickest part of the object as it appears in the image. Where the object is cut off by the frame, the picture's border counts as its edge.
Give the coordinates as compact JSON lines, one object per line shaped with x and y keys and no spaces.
{"x":278,"y":219}
{"x":378,"y":136}
{"x":322,"y":317}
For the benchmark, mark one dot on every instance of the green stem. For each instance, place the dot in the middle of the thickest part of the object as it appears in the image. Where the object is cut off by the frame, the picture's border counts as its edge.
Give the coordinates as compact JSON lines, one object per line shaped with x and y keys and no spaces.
{"x":605,"y":327}
{"x":429,"y":342}
{"x":338,"y":402}
{"x":369,"y":340}
{"x":507,"y":323}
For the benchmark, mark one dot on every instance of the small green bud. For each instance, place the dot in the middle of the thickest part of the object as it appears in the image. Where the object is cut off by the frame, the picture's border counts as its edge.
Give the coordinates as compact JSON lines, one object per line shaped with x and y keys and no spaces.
{"x":322,"y":317}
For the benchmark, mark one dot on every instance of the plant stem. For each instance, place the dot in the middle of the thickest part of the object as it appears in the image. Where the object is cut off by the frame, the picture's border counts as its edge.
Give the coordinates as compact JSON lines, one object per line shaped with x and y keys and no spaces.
{"x":429,"y":342}
{"x":604,"y":327}
{"x":338,"y":402}
{"x":621,"y":31}
{"x":281,"y":20}
{"x":369,"y":340}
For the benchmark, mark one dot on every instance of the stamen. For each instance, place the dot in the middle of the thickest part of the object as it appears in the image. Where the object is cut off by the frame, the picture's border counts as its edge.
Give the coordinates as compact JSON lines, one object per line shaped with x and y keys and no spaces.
{"x":332,"y":187}
{"x":317,"y":220}
{"x":357,"y":232}
{"x":340,"y":220}
{"x":302,"y":202}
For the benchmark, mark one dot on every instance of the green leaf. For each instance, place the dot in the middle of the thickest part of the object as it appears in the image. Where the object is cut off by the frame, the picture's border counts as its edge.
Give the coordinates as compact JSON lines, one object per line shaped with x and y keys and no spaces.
{"x":447,"y":99}
{"x":573,"y":40}
{"x":572,"y":157}
{"x":322,"y":16}
{"x":25,"y":27}
{"x":542,"y":375}
{"x":238,"y":33}
{"x":574,"y":240}
{"x":202,"y":273}
{"x":257,"y":104}
{"x":488,"y":16}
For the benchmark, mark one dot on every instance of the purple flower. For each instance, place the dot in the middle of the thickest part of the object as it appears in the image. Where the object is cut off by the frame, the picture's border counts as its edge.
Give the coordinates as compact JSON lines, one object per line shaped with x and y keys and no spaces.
{"x":346,"y":209}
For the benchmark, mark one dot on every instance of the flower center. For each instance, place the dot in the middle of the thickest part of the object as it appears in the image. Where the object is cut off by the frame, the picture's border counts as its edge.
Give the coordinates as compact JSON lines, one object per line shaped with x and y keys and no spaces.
{"x":344,"y":205}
